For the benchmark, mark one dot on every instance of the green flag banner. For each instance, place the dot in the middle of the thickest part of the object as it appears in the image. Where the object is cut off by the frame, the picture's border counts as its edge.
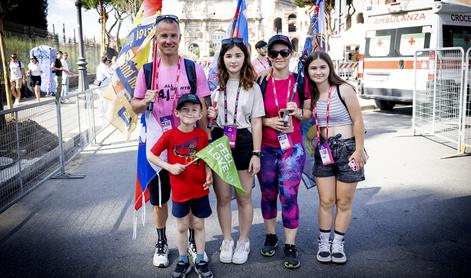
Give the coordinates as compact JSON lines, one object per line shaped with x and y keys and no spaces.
{"x":218,"y":156}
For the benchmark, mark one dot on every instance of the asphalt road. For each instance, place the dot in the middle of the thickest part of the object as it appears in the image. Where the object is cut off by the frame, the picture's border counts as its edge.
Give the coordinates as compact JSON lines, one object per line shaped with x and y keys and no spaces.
{"x":411,"y":217}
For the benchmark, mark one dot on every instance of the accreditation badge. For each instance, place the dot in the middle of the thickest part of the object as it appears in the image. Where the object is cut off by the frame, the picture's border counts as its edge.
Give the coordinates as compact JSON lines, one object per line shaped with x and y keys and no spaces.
{"x":326,"y":154}
{"x":166,"y":123}
{"x":231,"y":132}
{"x":285,"y":141}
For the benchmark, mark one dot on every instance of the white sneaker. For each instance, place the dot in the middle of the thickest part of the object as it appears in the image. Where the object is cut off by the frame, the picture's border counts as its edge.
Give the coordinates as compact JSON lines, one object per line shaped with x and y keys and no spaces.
{"x":241,"y":253}
{"x":161,"y":254}
{"x":227,"y":251}
{"x":338,"y":252}
{"x":323,"y":253}
{"x":192,"y":252}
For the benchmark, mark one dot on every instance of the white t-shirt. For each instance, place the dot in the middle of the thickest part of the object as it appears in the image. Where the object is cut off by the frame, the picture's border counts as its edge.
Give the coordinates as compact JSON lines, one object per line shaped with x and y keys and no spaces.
{"x":35,"y":69}
{"x":103,"y":74}
{"x":65,"y":65}
{"x":15,"y":70}
{"x":250,"y":104}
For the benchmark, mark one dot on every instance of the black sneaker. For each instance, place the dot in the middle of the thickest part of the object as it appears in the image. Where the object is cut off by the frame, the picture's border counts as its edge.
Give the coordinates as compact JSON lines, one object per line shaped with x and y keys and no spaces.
{"x":269,"y":247}
{"x":291,"y":256}
{"x":181,"y":270}
{"x":203,"y":270}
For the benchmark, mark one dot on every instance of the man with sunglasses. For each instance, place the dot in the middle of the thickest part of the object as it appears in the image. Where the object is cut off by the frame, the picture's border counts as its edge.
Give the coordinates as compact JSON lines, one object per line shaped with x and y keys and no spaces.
{"x":17,"y":77}
{"x":172,"y":80}
{"x":261,"y":63}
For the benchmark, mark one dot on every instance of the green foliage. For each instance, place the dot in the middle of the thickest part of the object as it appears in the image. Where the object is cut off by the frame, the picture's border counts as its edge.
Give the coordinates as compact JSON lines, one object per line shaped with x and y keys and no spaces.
{"x":25,"y":12}
{"x":302,"y":3}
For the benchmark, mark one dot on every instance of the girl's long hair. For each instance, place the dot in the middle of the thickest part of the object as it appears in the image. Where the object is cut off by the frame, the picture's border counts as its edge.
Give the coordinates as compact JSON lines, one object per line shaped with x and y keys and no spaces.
{"x":333,"y":78}
{"x":247,"y":72}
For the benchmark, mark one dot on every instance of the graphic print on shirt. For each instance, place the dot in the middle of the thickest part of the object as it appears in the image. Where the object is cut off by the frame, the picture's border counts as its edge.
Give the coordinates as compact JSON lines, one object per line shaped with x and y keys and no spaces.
{"x":187,"y":150}
{"x":165,"y":94}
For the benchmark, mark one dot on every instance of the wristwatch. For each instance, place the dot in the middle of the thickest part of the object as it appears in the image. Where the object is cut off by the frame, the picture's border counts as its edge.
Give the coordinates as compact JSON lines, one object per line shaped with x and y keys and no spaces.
{"x":257,"y":153}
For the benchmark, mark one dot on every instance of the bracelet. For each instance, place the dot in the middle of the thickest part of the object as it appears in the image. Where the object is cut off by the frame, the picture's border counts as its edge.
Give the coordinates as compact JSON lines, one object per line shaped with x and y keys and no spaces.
{"x":299,"y":113}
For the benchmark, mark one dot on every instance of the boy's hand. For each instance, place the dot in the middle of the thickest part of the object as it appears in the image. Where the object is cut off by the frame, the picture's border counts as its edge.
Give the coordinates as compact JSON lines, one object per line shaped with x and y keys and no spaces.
{"x":212,"y":112}
{"x":209,"y":180}
{"x":176,"y":169}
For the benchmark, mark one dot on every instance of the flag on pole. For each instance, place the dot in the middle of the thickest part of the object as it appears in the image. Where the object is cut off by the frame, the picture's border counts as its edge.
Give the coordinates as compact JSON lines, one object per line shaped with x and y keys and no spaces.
{"x":133,"y":55}
{"x":318,"y":26}
{"x":239,"y":28}
{"x":218,"y":156}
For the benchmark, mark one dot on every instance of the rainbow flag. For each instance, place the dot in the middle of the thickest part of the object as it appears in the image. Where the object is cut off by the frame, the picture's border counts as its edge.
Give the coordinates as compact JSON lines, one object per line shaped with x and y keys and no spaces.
{"x":239,"y":28}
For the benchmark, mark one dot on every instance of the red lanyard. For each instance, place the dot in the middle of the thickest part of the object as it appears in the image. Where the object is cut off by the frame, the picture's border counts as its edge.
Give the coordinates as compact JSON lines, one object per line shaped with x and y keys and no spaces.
{"x":327,"y":118}
{"x":174,"y":97}
{"x":235,"y":108}
{"x":276,"y":96}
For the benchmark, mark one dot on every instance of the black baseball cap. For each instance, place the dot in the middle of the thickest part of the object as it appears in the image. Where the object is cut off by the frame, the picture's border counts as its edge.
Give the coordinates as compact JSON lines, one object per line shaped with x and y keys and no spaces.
{"x":191,"y":98}
{"x":279,"y":39}
{"x":260,"y":44}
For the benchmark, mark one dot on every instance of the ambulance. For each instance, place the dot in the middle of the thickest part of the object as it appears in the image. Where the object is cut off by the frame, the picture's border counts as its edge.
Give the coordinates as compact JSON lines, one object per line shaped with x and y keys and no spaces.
{"x":394,"y":32}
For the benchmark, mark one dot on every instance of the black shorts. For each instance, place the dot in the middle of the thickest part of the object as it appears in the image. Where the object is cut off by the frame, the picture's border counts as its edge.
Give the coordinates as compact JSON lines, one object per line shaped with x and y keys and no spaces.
{"x":154,"y":188}
{"x":341,"y":150}
{"x":35,"y":80}
{"x":199,"y":207}
{"x":242,"y":153}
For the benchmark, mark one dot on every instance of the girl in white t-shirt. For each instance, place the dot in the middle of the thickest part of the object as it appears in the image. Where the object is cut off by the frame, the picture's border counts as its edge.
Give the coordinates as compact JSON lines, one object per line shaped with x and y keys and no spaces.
{"x":237,"y":113}
{"x":34,"y":71}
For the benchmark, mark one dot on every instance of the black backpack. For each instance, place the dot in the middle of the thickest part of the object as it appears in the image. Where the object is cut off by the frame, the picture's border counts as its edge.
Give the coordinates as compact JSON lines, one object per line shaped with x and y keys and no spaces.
{"x":190,"y":73}
{"x":263,"y":87}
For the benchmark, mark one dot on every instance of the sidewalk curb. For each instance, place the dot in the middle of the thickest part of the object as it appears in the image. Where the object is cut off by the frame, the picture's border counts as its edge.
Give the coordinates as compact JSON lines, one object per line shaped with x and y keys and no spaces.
{"x":368,"y":107}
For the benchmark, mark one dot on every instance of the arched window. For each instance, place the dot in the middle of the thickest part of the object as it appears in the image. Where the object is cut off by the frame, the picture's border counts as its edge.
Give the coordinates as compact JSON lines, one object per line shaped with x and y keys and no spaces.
{"x":295,"y":43}
{"x":277,"y":24}
{"x":292,"y":23}
{"x":195,"y":49}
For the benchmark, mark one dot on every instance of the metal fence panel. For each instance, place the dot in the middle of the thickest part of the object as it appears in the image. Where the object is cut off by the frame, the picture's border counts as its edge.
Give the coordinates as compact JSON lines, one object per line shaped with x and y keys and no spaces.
{"x":466,"y":125}
{"x":438,"y":98}
{"x":29,"y":140}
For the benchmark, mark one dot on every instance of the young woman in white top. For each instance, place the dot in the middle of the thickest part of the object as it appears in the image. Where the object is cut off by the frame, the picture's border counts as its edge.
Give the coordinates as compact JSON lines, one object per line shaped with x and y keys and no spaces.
{"x":34,"y":71}
{"x":339,"y":154}
{"x":238,"y":115}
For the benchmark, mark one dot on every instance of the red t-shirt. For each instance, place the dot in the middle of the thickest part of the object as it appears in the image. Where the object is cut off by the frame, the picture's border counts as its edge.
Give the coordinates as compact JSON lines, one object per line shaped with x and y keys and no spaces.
{"x":270,"y":137}
{"x":181,"y":148}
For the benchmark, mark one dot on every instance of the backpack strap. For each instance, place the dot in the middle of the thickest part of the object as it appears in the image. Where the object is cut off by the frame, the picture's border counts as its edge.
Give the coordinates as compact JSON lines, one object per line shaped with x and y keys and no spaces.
{"x":148,"y":74}
{"x":190,"y":72}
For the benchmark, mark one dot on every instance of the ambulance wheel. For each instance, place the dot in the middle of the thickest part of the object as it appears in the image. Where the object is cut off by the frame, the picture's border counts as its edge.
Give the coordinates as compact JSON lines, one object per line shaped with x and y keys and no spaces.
{"x":384,"y":104}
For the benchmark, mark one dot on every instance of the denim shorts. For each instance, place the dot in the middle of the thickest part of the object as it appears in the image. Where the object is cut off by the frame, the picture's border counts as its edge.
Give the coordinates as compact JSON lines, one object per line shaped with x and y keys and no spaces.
{"x":199,"y":207}
{"x":341,"y":149}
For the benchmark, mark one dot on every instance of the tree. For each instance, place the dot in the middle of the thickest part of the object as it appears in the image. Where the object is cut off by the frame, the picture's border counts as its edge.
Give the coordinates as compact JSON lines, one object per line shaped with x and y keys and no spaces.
{"x":121,"y":9}
{"x":6,"y":6}
{"x":27,"y":12}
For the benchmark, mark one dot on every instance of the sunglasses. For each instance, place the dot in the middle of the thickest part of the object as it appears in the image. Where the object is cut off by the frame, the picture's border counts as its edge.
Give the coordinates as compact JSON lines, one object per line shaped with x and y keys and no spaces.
{"x":13,"y":57}
{"x":167,"y":16}
{"x":232,"y":40}
{"x":274,"y":53}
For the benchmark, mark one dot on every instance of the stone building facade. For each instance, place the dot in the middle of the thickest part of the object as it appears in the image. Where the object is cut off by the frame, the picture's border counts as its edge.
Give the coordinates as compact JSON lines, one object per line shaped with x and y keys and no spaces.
{"x":204,"y":23}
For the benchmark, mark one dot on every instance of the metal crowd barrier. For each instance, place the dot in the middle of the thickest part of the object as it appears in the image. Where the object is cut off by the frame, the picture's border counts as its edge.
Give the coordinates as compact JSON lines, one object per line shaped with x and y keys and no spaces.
{"x":466,"y":131}
{"x":37,"y":140}
{"x":439,"y":106}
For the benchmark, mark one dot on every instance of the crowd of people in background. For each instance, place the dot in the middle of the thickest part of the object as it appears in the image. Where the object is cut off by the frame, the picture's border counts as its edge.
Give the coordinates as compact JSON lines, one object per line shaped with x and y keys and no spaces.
{"x":259,"y":106}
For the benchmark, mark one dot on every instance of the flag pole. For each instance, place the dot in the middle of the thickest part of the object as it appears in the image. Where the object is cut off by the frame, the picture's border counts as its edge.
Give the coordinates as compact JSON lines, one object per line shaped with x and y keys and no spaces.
{"x":191,"y":162}
{"x":150,"y":106}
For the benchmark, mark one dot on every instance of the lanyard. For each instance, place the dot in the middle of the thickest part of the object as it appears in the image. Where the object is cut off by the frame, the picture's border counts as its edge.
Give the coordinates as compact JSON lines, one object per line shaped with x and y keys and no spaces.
{"x":173,"y":98}
{"x":276,"y":96}
{"x":327,"y":118}
{"x":261,"y":63}
{"x":235,"y":108}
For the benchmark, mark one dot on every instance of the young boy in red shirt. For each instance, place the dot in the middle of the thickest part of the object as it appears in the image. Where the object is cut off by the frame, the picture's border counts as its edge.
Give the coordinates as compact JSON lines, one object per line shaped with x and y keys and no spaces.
{"x":190,"y":183}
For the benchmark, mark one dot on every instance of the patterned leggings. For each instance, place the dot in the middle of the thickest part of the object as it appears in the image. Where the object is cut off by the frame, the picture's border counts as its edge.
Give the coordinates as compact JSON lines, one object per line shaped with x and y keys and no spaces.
{"x":281,"y":171}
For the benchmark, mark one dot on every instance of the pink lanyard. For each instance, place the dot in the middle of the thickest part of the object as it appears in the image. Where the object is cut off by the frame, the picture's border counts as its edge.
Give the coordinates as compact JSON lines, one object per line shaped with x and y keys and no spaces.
{"x":276,"y":96}
{"x":318,"y":136}
{"x":173,"y":98}
{"x":261,"y":63}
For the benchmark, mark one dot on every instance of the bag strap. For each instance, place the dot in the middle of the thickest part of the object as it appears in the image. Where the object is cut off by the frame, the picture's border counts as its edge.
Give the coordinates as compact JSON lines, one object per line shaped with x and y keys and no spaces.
{"x":341,"y":99}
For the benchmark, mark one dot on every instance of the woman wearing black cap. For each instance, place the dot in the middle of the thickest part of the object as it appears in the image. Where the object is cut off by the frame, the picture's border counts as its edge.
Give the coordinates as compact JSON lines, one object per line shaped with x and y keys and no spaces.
{"x":283,"y":154}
